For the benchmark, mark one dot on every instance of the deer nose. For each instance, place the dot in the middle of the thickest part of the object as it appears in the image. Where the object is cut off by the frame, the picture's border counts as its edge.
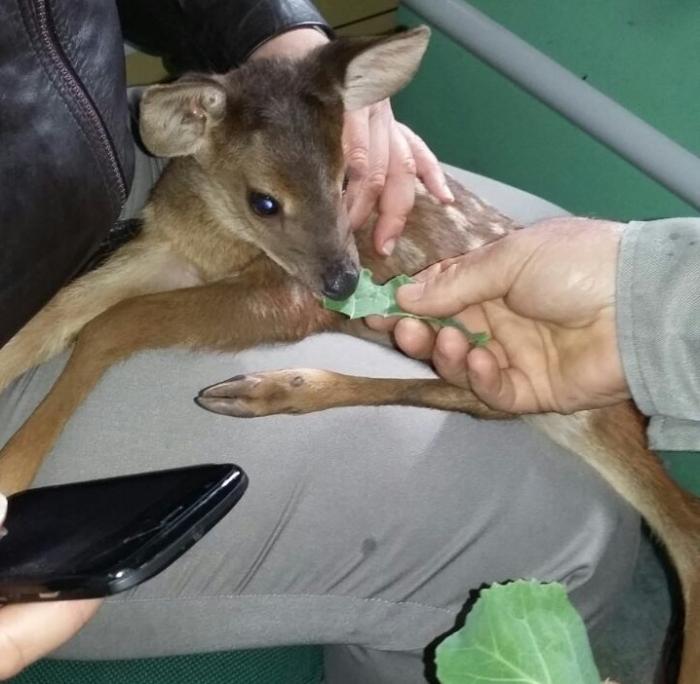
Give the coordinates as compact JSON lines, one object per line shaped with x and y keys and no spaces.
{"x":339,"y":282}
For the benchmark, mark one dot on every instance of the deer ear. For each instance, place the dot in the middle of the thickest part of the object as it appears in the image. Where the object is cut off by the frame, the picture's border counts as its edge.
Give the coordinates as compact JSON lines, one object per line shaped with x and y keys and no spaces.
{"x":369,"y":70}
{"x":175,"y":119}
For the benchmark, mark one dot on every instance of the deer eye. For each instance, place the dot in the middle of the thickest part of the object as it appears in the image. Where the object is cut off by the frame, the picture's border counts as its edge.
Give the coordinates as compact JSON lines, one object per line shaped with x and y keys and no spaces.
{"x":263,"y":205}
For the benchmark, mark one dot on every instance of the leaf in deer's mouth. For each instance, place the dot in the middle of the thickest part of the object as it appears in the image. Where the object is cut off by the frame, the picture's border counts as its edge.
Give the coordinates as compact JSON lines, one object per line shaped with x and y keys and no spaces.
{"x":370,"y":299}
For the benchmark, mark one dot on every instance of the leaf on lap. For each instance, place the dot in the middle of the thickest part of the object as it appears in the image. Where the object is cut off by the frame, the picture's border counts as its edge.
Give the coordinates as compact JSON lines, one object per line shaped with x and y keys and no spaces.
{"x":522,"y":633}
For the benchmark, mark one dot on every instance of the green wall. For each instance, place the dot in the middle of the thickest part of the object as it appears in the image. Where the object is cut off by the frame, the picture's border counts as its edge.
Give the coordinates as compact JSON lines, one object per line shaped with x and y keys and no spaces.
{"x":643,"y":53}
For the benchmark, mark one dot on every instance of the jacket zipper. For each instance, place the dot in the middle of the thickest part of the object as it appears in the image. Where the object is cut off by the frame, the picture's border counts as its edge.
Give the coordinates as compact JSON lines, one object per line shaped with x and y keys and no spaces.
{"x":59,"y":60}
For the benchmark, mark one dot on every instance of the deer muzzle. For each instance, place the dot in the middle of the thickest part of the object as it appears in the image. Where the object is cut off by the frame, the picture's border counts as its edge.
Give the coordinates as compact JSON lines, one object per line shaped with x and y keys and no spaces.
{"x":340,"y":280}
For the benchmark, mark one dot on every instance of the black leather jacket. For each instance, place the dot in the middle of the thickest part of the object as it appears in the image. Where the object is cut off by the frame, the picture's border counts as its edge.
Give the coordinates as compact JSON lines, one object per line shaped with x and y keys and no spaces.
{"x":65,"y":147}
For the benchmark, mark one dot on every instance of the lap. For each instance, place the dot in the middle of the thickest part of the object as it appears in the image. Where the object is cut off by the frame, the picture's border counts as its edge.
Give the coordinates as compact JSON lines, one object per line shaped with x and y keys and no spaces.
{"x":360,"y":525}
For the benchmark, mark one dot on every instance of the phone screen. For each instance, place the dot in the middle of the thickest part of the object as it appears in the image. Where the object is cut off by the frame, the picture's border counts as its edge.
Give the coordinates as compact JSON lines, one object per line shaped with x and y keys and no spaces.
{"x":95,"y":528}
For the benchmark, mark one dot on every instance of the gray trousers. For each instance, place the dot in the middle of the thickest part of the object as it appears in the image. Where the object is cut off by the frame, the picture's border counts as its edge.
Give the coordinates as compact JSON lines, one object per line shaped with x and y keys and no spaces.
{"x":363,"y":529}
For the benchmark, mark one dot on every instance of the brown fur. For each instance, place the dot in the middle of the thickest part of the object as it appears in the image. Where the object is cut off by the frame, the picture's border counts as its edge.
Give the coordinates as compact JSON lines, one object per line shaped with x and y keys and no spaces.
{"x":207,"y":273}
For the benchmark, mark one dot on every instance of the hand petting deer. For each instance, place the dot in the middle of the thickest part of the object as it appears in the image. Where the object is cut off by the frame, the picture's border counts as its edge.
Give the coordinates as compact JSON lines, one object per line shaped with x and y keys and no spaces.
{"x":244,"y":232}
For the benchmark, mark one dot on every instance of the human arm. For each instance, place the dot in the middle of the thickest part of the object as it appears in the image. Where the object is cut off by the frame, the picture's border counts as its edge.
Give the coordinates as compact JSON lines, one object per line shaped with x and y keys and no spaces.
{"x":212,"y":35}
{"x":658,"y":325}
{"x":67,"y":151}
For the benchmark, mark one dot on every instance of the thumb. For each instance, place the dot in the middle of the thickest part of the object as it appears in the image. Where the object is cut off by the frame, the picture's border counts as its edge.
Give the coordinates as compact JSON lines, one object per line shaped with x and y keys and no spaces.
{"x":484,"y":274}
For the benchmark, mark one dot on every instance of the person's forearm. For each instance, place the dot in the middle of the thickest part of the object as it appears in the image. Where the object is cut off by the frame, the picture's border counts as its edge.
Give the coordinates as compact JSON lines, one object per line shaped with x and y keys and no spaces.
{"x":212,"y":35}
{"x":67,"y":151}
{"x":658,"y":320}
{"x":295,"y":43}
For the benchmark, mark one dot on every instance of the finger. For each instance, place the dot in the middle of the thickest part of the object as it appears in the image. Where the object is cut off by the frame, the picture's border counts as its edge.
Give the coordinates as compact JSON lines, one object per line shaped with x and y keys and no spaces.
{"x":482,"y":275}
{"x":355,"y":142}
{"x":29,"y":631}
{"x":373,"y":183}
{"x":506,"y":389}
{"x":398,"y":194}
{"x":450,"y":356}
{"x":427,"y":166}
{"x":381,"y":323}
{"x":415,"y":339}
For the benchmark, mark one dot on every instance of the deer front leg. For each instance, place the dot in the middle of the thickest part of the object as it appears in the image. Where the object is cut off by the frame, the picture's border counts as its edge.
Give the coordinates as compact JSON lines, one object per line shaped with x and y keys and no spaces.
{"x":305,"y":390}
{"x":222,"y":316}
{"x":138,"y":268}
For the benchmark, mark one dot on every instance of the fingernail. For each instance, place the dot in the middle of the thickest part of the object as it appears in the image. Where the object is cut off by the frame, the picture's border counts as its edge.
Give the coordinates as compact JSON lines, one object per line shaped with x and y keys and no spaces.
{"x":412,"y":291}
{"x":449,"y":197}
{"x":388,"y":247}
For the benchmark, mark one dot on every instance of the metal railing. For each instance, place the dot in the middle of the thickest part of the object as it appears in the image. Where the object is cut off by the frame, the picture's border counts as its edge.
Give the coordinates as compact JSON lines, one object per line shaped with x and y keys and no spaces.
{"x":604,"y":119}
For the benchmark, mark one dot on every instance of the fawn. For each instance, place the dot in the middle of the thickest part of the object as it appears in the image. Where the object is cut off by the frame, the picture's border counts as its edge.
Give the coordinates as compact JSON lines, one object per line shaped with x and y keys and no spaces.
{"x":243,"y":232}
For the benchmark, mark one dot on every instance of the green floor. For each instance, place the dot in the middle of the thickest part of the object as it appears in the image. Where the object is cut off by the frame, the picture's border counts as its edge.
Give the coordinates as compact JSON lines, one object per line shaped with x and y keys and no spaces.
{"x":297,"y":665}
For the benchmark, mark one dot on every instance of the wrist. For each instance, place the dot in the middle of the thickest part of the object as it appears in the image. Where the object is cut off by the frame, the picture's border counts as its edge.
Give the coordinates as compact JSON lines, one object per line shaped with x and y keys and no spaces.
{"x":295,"y":43}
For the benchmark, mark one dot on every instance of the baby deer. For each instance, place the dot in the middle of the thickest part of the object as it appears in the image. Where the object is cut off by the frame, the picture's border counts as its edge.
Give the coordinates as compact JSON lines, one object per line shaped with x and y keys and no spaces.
{"x":242,"y":234}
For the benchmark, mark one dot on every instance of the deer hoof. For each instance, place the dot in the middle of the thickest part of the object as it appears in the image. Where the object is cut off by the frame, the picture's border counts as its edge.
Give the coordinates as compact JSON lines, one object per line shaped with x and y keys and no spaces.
{"x":251,"y":396}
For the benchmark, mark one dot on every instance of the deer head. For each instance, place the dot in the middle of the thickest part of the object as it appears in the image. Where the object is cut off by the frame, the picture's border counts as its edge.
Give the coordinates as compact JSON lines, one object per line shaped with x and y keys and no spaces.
{"x":267,"y":139}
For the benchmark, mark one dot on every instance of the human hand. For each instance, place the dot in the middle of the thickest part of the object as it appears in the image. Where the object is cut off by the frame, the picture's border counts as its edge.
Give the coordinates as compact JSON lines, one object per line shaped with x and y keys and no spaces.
{"x":546,"y":297}
{"x":29,"y":631}
{"x":383,"y":158}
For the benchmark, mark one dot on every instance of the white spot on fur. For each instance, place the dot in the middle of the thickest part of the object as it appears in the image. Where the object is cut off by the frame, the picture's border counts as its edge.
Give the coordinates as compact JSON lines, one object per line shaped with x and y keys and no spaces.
{"x":458,"y":219}
{"x":411,"y":255}
{"x":464,"y":225}
{"x":475,"y":241}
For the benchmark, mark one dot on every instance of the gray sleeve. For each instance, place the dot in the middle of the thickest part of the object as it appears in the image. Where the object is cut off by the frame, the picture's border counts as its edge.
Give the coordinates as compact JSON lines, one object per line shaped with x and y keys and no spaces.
{"x":658,"y":323}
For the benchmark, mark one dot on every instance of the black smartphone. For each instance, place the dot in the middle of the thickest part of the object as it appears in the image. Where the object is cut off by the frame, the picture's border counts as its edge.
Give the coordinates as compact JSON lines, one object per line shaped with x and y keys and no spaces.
{"x":92,"y":539}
